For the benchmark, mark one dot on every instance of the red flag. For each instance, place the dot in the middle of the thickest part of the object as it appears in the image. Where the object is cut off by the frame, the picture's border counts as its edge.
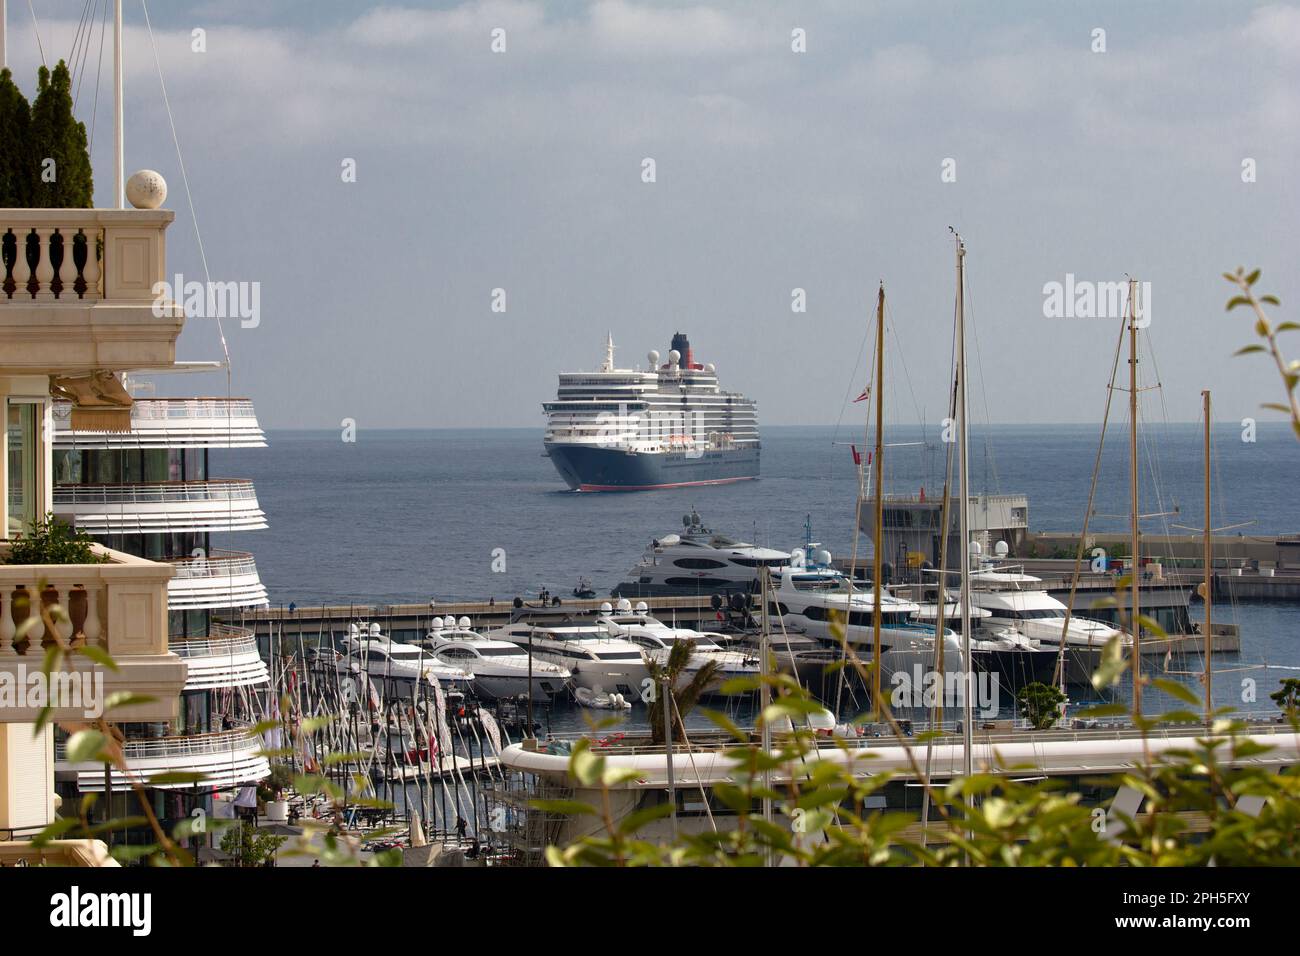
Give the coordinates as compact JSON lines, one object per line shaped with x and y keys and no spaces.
{"x":866,"y":393}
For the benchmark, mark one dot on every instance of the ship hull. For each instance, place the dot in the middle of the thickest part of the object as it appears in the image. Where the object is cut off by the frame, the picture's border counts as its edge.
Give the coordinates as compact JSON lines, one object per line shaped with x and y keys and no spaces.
{"x":588,"y":468}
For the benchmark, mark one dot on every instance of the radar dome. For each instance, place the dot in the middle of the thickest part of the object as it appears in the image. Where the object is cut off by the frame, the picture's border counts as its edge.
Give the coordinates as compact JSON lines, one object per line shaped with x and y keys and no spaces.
{"x":975,"y":548}
{"x":710,"y":368}
{"x":674,"y":357}
{"x":436,"y":624}
{"x":653,"y":358}
{"x":642,"y":607}
{"x":606,"y":607}
{"x":463,"y":622}
{"x":822,"y":557}
{"x":1001,"y":549}
{"x":624,"y":604}
{"x":449,"y":621}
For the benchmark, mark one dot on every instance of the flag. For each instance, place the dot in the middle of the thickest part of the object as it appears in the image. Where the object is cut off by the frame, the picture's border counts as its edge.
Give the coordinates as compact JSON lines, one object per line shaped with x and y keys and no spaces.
{"x":866,"y":393}
{"x":857,"y":458}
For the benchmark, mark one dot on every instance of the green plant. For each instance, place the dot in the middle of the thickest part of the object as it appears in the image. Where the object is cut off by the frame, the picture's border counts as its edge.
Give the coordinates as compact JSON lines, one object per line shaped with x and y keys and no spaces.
{"x":51,"y":541}
{"x":669,"y":673}
{"x":1040,"y":704}
{"x":15,"y":168}
{"x":280,"y":780}
{"x":55,"y":134}
{"x":1267,"y":333}
{"x":1287,"y":697}
{"x":250,"y":846}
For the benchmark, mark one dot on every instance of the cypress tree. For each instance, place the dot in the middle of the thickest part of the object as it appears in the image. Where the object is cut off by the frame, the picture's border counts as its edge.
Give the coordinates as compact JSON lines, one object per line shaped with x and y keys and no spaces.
{"x":56,"y":134}
{"x":15,"y":121}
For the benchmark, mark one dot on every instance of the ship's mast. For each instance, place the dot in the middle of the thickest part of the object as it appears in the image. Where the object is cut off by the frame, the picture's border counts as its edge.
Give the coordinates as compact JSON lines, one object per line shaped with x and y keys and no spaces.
{"x":609,"y":353}
{"x":4,"y":40}
{"x":1209,"y":569}
{"x":1135,"y":564}
{"x":963,"y":520}
{"x":877,"y":552}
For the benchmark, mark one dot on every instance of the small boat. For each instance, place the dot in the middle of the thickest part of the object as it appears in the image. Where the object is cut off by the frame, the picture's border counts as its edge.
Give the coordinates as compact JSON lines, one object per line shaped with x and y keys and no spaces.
{"x":583,"y":590}
{"x":600,"y":700}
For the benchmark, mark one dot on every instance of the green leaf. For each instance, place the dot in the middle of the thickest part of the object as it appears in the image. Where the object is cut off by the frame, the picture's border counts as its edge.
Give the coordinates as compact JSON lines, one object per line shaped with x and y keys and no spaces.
{"x":1248,"y":349}
{"x":1252,"y":278}
{"x":1235,"y":301}
{"x":84,"y":745}
{"x":98,"y":655}
{"x":126,"y":699}
{"x":1175,"y":689}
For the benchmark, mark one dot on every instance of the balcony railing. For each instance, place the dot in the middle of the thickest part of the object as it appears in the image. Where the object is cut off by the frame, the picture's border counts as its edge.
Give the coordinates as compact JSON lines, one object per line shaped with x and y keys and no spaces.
{"x":224,"y":504}
{"x":226,"y":758}
{"x":219,"y":564}
{"x":227,"y":657}
{"x":119,"y":607}
{"x":171,"y":423}
{"x":66,"y":254}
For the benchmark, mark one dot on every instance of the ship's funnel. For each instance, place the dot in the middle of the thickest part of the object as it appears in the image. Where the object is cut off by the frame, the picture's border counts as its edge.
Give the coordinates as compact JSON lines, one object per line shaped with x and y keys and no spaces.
{"x":682,"y":346}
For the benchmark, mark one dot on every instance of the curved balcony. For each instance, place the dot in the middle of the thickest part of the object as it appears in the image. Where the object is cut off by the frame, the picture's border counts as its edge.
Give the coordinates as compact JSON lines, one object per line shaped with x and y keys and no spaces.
{"x":170,"y":423}
{"x":222,"y":579}
{"x":227,"y":758}
{"x":223,"y":504}
{"x":227,"y":657}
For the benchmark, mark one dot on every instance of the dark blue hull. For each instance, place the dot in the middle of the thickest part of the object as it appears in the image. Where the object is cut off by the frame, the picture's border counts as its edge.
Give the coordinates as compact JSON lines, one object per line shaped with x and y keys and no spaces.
{"x":588,"y":468}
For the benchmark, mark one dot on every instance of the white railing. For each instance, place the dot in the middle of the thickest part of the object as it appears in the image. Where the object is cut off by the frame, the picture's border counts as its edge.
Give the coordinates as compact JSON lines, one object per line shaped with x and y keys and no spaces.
{"x":172,"y":409}
{"x":215,"y":646}
{"x":190,"y":745}
{"x":219,"y":564}
{"x":156,"y":492}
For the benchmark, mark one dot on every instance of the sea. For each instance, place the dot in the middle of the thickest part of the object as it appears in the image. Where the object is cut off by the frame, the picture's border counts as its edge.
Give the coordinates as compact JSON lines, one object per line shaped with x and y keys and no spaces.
{"x":405,"y":516}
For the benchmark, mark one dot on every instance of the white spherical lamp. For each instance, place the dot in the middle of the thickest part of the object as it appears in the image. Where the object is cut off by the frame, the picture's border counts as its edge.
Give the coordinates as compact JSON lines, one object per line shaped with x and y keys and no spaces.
{"x":146,"y":189}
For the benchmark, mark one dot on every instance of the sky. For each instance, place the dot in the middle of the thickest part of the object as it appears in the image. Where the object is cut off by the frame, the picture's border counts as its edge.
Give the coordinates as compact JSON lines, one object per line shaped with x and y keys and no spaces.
{"x":775,"y":170}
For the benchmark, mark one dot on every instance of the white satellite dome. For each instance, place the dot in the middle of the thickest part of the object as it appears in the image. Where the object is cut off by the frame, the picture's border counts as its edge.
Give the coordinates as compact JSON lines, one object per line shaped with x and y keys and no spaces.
{"x":642,"y":607}
{"x":1001,"y":549}
{"x":822,"y":557}
{"x":436,"y":624}
{"x":606,"y":608}
{"x":448,"y":621}
{"x":463,"y":623}
{"x":674,"y":357}
{"x":975,"y":548}
{"x":653,"y":358}
{"x":374,"y":630}
{"x":146,"y":189}
{"x":710,"y":368}
{"x":624,"y":604}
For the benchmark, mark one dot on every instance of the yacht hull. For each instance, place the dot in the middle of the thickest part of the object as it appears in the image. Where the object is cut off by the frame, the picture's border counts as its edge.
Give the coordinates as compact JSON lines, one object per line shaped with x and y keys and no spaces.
{"x":586,"y":467}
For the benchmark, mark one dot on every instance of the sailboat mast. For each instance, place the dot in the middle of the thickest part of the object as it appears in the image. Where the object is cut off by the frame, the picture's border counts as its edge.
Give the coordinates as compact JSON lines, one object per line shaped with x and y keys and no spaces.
{"x":877,"y":552}
{"x":1209,"y":568}
{"x":4,"y":40}
{"x":765,"y":689}
{"x":1133,"y":497}
{"x":963,"y":518}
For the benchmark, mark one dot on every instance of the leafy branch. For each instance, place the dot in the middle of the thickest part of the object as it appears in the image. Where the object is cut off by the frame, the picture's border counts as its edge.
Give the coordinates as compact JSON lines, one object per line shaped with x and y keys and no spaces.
{"x":1267,"y":333}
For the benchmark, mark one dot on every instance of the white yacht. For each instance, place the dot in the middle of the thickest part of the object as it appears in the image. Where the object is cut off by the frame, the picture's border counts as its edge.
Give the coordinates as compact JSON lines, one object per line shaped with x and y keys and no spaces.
{"x":395,"y":666}
{"x":807,"y":592}
{"x":594,"y":656}
{"x":500,"y":668}
{"x":1021,"y":601}
{"x":698,"y":561}
{"x":656,"y":640}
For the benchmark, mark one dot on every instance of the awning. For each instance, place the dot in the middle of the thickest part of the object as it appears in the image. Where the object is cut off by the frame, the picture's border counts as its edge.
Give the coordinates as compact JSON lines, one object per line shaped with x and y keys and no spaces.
{"x":100,"y":403}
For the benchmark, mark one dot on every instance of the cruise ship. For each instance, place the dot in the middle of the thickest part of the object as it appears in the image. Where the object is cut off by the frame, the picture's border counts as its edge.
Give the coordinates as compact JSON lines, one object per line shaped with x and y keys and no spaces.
{"x":666,"y":426}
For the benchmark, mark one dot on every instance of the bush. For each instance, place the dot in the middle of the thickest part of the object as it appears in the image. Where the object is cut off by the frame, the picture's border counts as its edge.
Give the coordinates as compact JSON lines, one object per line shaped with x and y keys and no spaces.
{"x":53,"y":542}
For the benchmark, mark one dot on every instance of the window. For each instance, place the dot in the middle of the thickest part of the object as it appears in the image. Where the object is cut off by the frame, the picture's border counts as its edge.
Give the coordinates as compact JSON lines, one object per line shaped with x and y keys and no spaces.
{"x":702,"y":564}
{"x":22,"y":439}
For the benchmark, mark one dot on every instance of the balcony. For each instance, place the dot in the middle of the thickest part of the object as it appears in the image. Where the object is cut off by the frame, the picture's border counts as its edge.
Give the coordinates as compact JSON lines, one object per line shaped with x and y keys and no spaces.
{"x":81,"y":853}
{"x":226,"y":504}
{"x":76,"y":290}
{"x":170,"y":423}
{"x":227,"y":758}
{"x":227,"y":657}
{"x":120,"y":606}
{"x":222,"y":579}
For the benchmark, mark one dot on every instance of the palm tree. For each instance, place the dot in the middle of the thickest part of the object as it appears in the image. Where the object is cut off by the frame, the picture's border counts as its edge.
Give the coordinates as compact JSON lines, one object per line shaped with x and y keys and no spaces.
{"x":684,"y":698}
